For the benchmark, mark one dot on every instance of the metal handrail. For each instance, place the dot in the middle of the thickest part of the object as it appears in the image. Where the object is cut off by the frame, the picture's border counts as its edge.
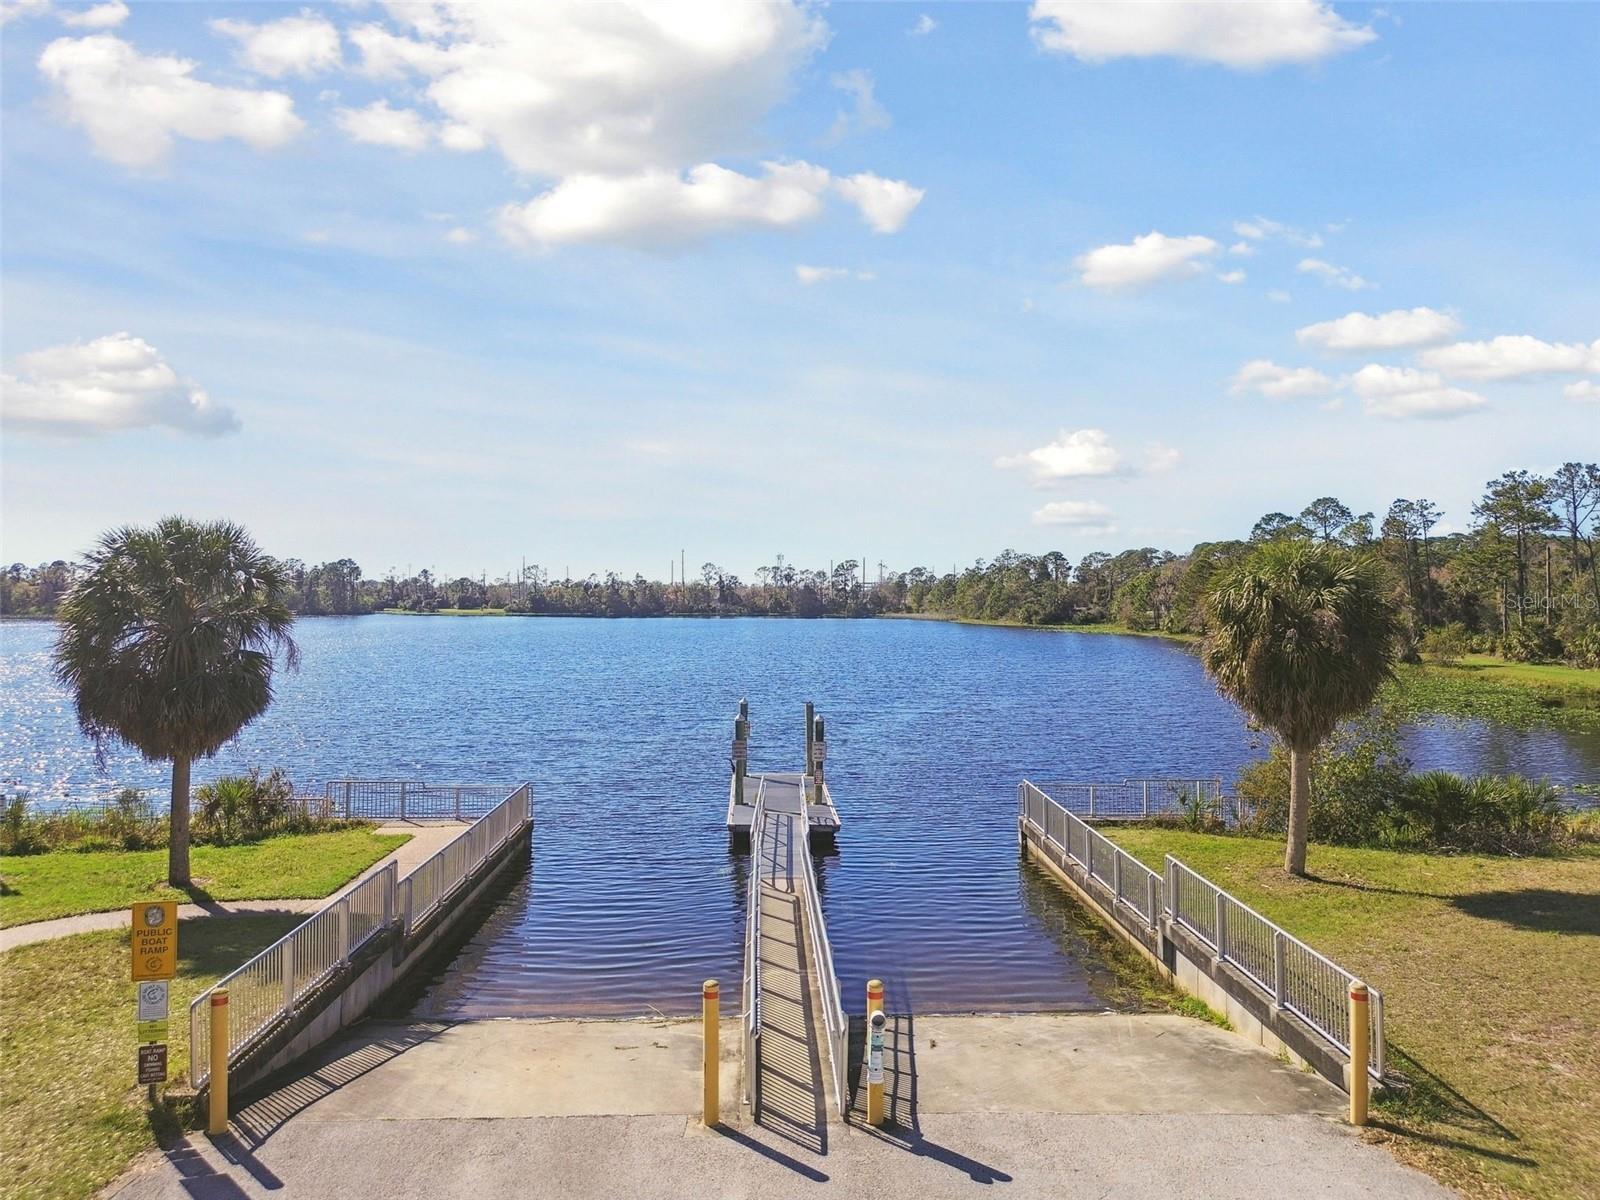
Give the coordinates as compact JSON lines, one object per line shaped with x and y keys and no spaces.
{"x":833,"y":1017}
{"x":1295,"y":977}
{"x":271,"y":985}
{"x":752,"y":956}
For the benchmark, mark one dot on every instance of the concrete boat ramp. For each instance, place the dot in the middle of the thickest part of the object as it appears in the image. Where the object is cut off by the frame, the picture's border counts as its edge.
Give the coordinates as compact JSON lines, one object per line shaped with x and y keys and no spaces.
{"x":1041,"y":1105}
{"x":1064,"y":1105}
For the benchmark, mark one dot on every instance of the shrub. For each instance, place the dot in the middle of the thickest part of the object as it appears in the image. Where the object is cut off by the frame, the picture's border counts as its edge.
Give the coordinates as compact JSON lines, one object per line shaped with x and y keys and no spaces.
{"x":1584,"y":649}
{"x":1446,"y":646}
{"x":1364,"y":794}
{"x":1352,"y":777}
{"x":240,"y":808}
{"x":1532,"y":642}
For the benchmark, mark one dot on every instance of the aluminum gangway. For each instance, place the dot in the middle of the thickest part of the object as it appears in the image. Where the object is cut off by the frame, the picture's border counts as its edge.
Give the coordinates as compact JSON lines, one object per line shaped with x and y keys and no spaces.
{"x":796,"y":1035}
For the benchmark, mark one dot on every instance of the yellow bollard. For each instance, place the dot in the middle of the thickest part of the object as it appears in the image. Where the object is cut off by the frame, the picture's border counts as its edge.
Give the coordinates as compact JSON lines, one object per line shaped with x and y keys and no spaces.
{"x":1360,"y":1045}
{"x":710,"y":1002}
{"x":217,"y":1117}
{"x":874,"y":997}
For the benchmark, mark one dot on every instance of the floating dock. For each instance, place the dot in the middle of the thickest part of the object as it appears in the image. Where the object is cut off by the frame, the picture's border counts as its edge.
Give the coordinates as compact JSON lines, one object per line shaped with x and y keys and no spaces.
{"x":792,"y":792}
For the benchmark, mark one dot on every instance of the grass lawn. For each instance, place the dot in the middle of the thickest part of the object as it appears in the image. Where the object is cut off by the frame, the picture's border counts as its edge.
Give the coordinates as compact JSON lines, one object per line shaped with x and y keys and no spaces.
{"x":36,"y":887}
{"x":71,"y":1117}
{"x":1545,"y":675}
{"x":1490,"y":970}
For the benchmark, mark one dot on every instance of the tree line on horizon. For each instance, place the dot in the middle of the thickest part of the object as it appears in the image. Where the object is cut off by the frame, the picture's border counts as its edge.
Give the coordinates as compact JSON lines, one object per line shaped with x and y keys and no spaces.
{"x":1521,"y":580}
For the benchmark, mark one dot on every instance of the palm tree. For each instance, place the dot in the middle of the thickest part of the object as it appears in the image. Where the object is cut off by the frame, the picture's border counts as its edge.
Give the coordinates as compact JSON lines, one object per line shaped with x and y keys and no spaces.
{"x":1301,"y":638}
{"x":169,"y":643}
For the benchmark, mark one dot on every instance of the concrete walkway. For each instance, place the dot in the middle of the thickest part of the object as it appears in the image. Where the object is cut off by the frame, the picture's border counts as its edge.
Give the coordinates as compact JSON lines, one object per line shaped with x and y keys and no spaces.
{"x":1091,"y":1105}
{"x":426,"y":841}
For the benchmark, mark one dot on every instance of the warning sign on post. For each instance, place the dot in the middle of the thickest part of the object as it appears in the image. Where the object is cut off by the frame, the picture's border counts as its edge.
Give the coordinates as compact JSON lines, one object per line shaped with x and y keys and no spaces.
{"x":152,"y":1064}
{"x":819,"y":751}
{"x":741,"y":750}
{"x":155,"y":939}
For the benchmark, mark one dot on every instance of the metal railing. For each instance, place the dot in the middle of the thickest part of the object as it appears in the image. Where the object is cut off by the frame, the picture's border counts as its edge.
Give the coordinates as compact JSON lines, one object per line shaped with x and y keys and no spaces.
{"x":1286,"y":970}
{"x":266,"y":990}
{"x":752,"y":958}
{"x":1139,"y":799}
{"x":833,"y":1018}
{"x":1296,"y":978}
{"x":410,"y":800}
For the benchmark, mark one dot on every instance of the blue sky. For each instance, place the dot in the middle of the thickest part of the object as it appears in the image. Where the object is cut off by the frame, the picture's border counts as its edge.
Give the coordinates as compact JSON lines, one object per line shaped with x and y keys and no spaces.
{"x":454,"y":286}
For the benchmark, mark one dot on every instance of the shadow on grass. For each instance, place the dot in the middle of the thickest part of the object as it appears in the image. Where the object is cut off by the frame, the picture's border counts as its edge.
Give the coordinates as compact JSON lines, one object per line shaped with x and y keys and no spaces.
{"x":1351,"y":885}
{"x":1542,"y":910}
{"x":1422,"y":1107}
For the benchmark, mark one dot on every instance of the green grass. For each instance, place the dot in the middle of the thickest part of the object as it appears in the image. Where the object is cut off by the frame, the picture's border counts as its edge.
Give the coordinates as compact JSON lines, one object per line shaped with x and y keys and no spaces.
{"x":1558,"y":676}
{"x":71,"y":1117}
{"x":1489,"y":969}
{"x":1103,"y":627}
{"x":1523,"y":695}
{"x":36,"y":887}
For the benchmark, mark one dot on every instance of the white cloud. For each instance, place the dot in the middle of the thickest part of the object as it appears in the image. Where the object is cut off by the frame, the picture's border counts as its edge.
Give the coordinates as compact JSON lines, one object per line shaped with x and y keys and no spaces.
{"x":17,"y":10}
{"x":1147,"y":258}
{"x":569,"y":87}
{"x":809,"y":275}
{"x":1260,"y":229}
{"x":1584,"y":389}
{"x":304,"y":45}
{"x":1242,"y":249}
{"x":1231,"y":276}
{"x":865,"y":114}
{"x":885,"y":204}
{"x":1510,"y":357}
{"x":1247,"y":36}
{"x":1401,"y":392}
{"x":380,"y":125}
{"x":1159,"y":458}
{"x":663,"y":208}
{"x":100,"y":16}
{"x":1075,"y":454}
{"x":1279,"y":296}
{"x":111,"y":383}
{"x":1386,"y":331}
{"x":460,"y":236}
{"x":1081,"y":516}
{"x":923,"y":26}
{"x":132,"y":105}
{"x":1281,"y":383}
{"x":1333,"y":276}
{"x":1085,"y":454}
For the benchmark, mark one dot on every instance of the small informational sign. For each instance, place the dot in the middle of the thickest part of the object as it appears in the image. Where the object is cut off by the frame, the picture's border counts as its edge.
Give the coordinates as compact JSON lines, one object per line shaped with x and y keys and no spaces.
{"x":155,"y":939}
{"x":153,"y":1000}
{"x":875,"y":1057}
{"x":741,"y":750}
{"x":153,"y":1031}
{"x":819,"y":751}
{"x":153,"y":1064}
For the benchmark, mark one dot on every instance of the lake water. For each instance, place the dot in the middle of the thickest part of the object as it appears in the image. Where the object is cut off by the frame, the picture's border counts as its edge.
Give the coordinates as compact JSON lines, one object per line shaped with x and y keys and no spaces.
{"x":623,"y":728}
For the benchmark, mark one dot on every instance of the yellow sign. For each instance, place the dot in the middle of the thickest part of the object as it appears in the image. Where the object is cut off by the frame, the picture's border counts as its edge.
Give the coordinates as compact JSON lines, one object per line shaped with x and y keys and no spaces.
{"x":155,"y":939}
{"x":152,"y":1031}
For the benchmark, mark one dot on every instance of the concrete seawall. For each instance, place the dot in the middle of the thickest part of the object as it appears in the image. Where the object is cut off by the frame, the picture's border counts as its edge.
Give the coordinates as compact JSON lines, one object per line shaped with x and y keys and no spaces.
{"x":386,"y":963}
{"x":1192,"y":967}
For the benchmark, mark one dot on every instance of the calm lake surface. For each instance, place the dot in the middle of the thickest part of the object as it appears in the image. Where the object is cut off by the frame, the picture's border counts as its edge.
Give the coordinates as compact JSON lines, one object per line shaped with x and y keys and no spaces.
{"x":622,"y":726}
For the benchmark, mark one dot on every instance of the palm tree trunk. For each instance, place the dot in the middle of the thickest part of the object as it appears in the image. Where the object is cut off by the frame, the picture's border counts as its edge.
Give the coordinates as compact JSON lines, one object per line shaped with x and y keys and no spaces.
{"x":1294,"y":854}
{"x":178,"y":842}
